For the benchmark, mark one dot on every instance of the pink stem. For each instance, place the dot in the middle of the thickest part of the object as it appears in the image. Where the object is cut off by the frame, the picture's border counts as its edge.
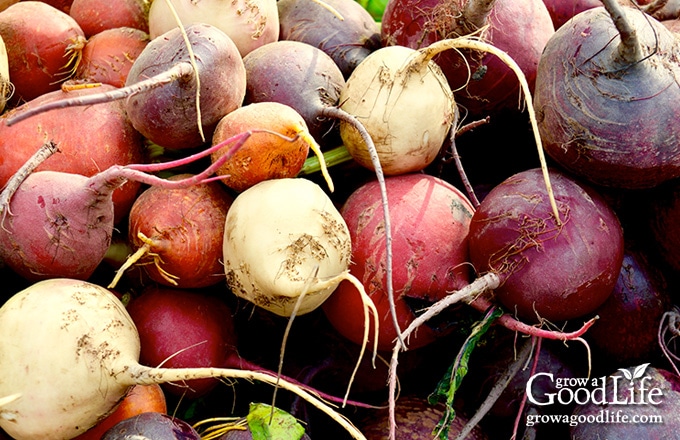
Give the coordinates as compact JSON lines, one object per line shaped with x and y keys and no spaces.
{"x":481,"y":303}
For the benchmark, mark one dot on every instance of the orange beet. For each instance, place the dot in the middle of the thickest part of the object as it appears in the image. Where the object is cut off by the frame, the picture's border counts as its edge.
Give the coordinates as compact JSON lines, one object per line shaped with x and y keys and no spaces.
{"x":264,"y":155}
{"x":140,"y":399}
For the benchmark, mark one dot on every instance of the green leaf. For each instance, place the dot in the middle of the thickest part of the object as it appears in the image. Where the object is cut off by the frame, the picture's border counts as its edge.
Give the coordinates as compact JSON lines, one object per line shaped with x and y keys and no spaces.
{"x":449,"y":384}
{"x":265,"y":424}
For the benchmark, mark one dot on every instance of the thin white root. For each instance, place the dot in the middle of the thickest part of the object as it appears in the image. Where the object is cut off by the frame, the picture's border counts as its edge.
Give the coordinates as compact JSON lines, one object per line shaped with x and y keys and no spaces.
{"x":148,"y":375}
{"x":192,"y":60}
{"x":475,"y":44}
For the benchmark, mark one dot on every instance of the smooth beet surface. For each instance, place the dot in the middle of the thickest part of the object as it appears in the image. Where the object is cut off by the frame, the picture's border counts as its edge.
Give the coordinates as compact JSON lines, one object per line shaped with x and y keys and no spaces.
{"x":607,"y":119}
{"x":183,"y":328}
{"x":548,"y":270}
{"x":430,"y":220}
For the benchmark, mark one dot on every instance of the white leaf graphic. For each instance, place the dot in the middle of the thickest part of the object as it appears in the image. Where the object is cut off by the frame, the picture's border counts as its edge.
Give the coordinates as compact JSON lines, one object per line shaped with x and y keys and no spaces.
{"x":626,"y":373}
{"x":639,"y":371}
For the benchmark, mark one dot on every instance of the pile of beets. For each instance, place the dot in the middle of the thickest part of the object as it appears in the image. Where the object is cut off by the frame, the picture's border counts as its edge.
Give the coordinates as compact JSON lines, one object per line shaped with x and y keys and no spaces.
{"x":125,"y":140}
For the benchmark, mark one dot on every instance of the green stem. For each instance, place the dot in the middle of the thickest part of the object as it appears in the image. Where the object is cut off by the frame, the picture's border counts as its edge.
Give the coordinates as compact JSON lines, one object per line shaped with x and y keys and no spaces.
{"x":333,"y":157}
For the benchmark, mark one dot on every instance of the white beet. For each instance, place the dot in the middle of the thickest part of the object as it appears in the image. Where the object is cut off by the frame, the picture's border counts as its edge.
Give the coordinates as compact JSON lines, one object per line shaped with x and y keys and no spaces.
{"x":283,"y":237}
{"x":249,"y":23}
{"x":405,"y":103}
{"x":70,"y":352}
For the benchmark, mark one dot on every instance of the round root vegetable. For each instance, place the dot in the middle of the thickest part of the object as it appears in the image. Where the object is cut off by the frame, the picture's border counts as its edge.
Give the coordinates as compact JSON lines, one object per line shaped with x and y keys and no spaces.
{"x":299,"y":75}
{"x":265,"y":155}
{"x":483,"y":84}
{"x":60,"y":224}
{"x":95,"y":16}
{"x":388,"y":93}
{"x":606,"y":93}
{"x":627,"y":329}
{"x":43,"y":45}
{"x":181,"y":328}
{"x":184,"y":328}
{"x":286,"y":249}
{"x":178,"y":233}
{"x":249,"y":23}
{"x":108,"y":55}
{"x":175,"y":96}
{"x":430,"y":228}
{"x":107,"y":139}
{"x":284,"y":238}
{"x":390,"y":104}
{"x":547,"y":270}
{"x":81,"y":349}
{"x":341,"y":28}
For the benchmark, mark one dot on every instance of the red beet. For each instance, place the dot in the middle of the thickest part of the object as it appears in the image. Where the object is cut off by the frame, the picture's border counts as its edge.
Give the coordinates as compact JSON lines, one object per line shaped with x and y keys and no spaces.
{"x":108,"y":138}
{"x":108,"y":55}
{"x":42,"y":43}
{"x":561,"y":11}
{"x":605,"y":95}
{"x":161,"y":93}
{"x":430,"y":226}
{"x":183,"y":328}
{"x":627,"y":329}
{"x":181,"y":233}
{"x":95,"y":16}
{"x":60,"y":224}
{"x":547,"y":270}
{"x":521,"y":28}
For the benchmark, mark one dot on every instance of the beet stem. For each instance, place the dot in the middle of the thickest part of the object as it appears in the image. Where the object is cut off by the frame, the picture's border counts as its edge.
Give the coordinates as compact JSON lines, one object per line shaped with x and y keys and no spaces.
{"x":475,"y":289}
{"x":523,"y":402}
{"x":335,"y":112}
{"x":179,"y":70}
{"x":629,"y":51}
{"x":45,"y":151}
{"x":426,"y":54}
{"x":140,"y":374}
{"x":475,"y":14}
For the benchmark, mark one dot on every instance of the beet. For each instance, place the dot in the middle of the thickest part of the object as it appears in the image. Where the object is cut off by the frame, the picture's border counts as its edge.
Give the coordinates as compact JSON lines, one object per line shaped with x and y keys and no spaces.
{"x":299,"y":75}
{"x":627,"y":329}
{"x":521,"y":28}
{"x":43,"y":44}
{"x":605,"y":103}
{"x":430,"y":228}
{"x":108,"y":55}
{"x":162,"y":94}
{"x":548,"y":270}
{"x":561,"y":11}
{"x":183,"y":328}
{"x":107,"y":139}
{"x":179,"y":232}
{"x":354,"y":35}
{"x":95,"y":16}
